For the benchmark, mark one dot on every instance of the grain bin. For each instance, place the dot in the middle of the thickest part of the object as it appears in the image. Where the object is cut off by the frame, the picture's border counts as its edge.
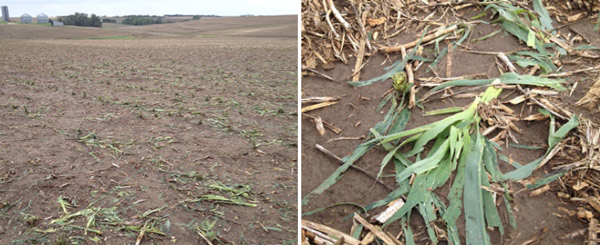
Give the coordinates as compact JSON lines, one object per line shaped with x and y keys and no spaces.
{"x":5,"y":16}
{"x":26,"y":19}
{"x":42,"y":18}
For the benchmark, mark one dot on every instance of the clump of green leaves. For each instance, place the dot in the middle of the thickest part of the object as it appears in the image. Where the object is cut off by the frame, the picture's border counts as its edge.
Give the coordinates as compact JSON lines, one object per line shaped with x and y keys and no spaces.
{"x":92,"y":139}
{"x":206,"y":229}
{"x":458,"y":148}
{"x":235,"y":195}
{"x":533,"y":28}
{"x":29,"y":219}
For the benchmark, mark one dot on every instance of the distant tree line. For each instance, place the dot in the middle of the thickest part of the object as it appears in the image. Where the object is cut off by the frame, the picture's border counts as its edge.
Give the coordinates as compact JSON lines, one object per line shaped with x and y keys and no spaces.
{"x":193,"y":16}
{"x":81,"y":19}
{"x":146,"y":15}
{"x":107,"y":20}
{"x":141,"y":20}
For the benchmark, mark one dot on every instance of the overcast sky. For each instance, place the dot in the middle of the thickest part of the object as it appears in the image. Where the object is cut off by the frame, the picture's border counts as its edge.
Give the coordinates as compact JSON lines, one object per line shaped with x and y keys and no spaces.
{"x":152,"y":7}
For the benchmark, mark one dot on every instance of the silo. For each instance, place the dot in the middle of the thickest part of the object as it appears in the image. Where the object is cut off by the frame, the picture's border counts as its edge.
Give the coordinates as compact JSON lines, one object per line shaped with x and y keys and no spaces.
{"x":5,"y":16}
{"x":42,"y":18}
{"x":26,"y":19}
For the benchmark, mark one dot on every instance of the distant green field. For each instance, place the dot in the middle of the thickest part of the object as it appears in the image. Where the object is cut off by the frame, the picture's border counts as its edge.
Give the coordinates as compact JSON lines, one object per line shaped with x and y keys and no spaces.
{"x":113,"y":37}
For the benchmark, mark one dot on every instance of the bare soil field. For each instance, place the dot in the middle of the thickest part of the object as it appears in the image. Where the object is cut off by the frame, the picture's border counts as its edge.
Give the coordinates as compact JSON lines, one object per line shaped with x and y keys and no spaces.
{"x":254,"y":26}
{"x":167,"y":141}
{"x":541,"y":218}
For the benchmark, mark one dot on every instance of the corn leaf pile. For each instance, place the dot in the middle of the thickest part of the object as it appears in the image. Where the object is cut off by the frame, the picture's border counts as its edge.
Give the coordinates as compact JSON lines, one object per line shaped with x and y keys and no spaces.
{"x":458,"y":148}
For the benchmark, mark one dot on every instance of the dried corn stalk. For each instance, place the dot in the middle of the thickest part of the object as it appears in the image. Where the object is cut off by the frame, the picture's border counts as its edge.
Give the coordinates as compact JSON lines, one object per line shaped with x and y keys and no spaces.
{"x":591,"y":99}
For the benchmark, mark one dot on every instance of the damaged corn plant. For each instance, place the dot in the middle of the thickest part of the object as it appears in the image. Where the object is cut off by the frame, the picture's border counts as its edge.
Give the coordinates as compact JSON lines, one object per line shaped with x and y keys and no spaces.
{"x":458,"y":148}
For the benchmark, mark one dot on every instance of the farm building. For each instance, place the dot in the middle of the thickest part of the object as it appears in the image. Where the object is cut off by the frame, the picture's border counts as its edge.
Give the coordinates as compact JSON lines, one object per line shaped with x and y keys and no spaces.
{"x":25,"y":18}
{"x":5,"y":16}
{"x":57,"y":23}
{"x":42,"y":18}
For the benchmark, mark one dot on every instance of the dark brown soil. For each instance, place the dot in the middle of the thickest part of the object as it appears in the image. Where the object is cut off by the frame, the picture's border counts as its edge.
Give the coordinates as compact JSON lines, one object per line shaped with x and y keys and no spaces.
{"x":534,"y":215}
{"x":171,"y":117}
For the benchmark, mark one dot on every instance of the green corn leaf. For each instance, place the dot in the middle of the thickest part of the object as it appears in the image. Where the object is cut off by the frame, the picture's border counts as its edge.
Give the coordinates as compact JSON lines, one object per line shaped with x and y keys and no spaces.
{"x":441,"y":126}
{"x":388,"y":157}
{"x":398,"y":135}
{"x":509,"y":211}
{"x":549,"y":178}
{"x":513,"y":78}
{"x":408,"y":234}
{"x":463,"y":83}
{"x":384,"y":101}
{"x":388,"y":119}
{"x":441,"y":174}
{"x":494,"y":33}
{"x":561,"y":133}
{"x":318,"y":210}
{"x":358,"y":231}
{"x":425,"y":164}
{"x":526,"y":147}
{"x":586,"y":47}
{"x":507,"y":78}
{"x":531,"y":39}
{"x":490,"y":159}
{"x":456,"y":191}
{"x":492,"y":217}
{"x":554,"y":137}
{"x":513,"y":163}
{"x":443,"y":111}
{"x":490,"y":94}
{"x":401,"y":122}
{"x":547,"y":67}
{"x":523,"y":171}
{"x":426,"y":209}
{"x":418,"y":193}
{"x":519,"y":31}
{"x":438,"y":58}
{"x":545,"y":19}
{"x":473,"y":200}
